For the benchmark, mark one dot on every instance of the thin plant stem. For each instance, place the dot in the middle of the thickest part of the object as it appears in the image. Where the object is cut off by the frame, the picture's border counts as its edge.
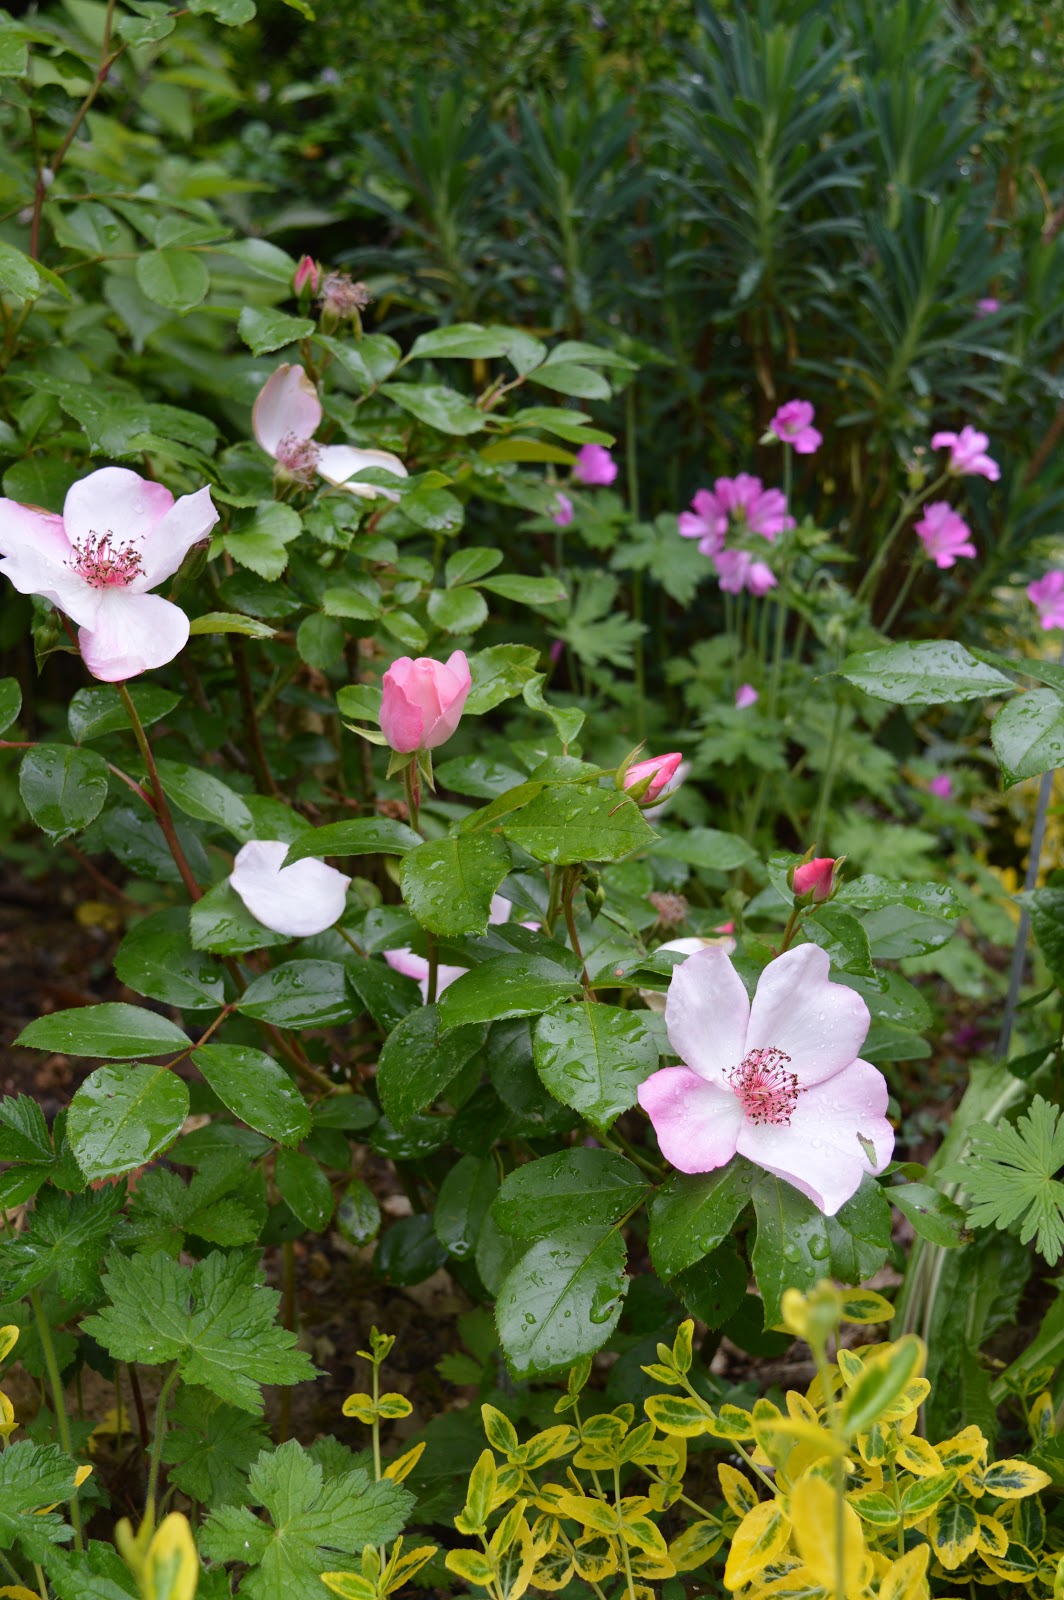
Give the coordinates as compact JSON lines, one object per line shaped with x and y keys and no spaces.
{"x":55,"y":1383}
{"x":827,"y":781}
{"x":574,"y":940}
{"x":257,"y":750}
{"x":157,"y":1442}
{"x":900,"y":598}
{"x":412,"y":785}
{"x":288,"y":1271}
{"x":162,"y":809}
{"x":434,"y":967}
{"x":631,"y":458}
{"x":911,"y":503}
{"x":623,"y":1540}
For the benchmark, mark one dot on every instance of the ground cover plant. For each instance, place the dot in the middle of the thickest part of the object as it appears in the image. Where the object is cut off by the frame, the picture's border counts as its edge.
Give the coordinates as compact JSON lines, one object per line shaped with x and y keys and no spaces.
{"x":530,"y":713}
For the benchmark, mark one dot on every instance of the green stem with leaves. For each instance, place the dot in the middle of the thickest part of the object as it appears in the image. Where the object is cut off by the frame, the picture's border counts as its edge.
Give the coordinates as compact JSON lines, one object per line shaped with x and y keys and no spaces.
{"x":162,"y":809}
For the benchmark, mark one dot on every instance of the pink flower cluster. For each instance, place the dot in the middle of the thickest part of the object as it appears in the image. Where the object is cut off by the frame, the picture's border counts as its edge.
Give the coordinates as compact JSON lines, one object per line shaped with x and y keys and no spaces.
{"x":594,"y":468}
{"x":734,"y":507}
{"x":944,"y":534}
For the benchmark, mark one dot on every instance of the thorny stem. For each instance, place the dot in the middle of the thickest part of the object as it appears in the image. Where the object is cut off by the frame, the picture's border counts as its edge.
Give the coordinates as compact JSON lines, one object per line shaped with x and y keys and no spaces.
{"x":55,"y":1383}
{"x":162,"y":809}
{"x":157,"y":1442}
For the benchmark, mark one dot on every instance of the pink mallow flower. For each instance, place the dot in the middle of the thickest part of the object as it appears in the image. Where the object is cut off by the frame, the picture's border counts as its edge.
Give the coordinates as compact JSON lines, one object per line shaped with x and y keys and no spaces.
{"x":1047,"y":596}
{"x":816,"y":877}
{"x":417,"y":967}
{"x":777,"y":1080}
{"x":746,"y":696}
{"x":707,"y":521}
{"x":793,"y":425}
{"x":119,"y":537}
{"x":967,"y":454}
{"x":300,"y":900}
{"x":737,"y":570}
{"x":594,"y":467}
{"x":422,"y":701}
{"x":284,"y":420}
{"x":942,"y":786}
{"x":654,"y":778}
{"x":945,"y":536}
{"x":563,"y":510}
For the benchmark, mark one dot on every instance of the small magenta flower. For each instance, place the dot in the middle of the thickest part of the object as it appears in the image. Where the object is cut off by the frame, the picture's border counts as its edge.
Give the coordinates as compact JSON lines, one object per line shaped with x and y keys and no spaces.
{"x":967,"y":454}
{"x":652,"y":779}
{"x":563,"y":510}
{"x":753,"y":507}
{"x":1047,"y":596}
{"x":777,"y":1080}
{"x":300,"y":900}
{"x":422,"y":701}
{"x":737,"y":570}
{"x":816,"y":877}
{"x":945,"y":536}
{"x":745,"y":696}
{"x":707,"y":521}
{"x":942,"y":786}
{"x":307,"y":276}
{"x":987,"y":307}
{"x":286,"y":415}
{"x":594,"y":466}
{"x":793,"y":425}
{"x":119,"y":537}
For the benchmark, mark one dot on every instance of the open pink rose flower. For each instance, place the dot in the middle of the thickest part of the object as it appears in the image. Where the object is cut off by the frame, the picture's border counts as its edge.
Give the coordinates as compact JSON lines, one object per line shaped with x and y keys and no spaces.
{"x":299,"y":900}
{"x":284,"y":420}
{"x":119,"y":537}
{"x":417,"y":967}
{"x":1047,"y":596}
{"x":423,"y":700}
{"x":967,"y":454}
{"x":944,"y":535}
{"x":793,"y":425}
{"x":777,"y":1080}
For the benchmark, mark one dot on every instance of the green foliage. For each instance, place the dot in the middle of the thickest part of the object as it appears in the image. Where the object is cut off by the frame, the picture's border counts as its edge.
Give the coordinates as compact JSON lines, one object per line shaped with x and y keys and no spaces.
{"x":1010,"y":1172}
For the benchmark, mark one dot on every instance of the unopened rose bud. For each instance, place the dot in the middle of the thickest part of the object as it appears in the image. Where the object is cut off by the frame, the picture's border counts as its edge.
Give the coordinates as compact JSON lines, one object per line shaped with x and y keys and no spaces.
{"x":307,"y":276}
{"x":815,"y":878}
{"x":648,"y":780}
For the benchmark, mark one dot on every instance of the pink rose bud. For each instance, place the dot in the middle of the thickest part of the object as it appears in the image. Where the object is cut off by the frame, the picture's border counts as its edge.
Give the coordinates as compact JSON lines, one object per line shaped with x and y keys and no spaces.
{"x":422,"y":701}
{"x":594,"y":466}
{"x":307,"y":276}
{"x":816,"y":877}
{"x":942,"y":786}
{"x":648,"y":780}
{"x":745,"y":696}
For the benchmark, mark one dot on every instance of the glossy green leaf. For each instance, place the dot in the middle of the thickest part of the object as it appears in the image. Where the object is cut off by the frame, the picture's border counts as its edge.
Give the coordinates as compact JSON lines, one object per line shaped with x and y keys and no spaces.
{"x":304,"y":1188}
{"x":299,"y":994}
{"x":457,"y":610}
{"x":112,"y":1031}
{"x":10,"y":702}
{"x":363,"y":836}
{"x":506,"y":986}
{"x":123,"y":1116}
{"x":201,"y":795}
{"x":156,"y":958}
{"x":594,"y":1057}
{"x":358,"y":1216}
{"x":441,"y":408}
{"x":176,"y":279}
{"x":94,"y":712}
{"x":542,"y":1196}
{"x":221,"y":922}
{"x":62,"y":787}
{"x":693,"y":1212}
{"x":448,"y":884}
{"x":568,"y":823}
{"x":1028,"y":735}
{"x":418,"y":1061}
{"x":256,"y":1090}
{"x":463,"y":1202}
{"x":924,"y":674}
{"x":467,"y":340}
{"x":266,"y":329}
{"x":562,"y":1300}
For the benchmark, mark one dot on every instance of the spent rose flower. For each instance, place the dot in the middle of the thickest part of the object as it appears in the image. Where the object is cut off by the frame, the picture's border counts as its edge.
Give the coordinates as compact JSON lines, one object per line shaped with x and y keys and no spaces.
{"x":967,"y":454}
{"x":745,"y":696}
{"x":942,"y":786}
{"x":422,"y":701}
{"x":417,"y":967}
{"x":987,"y":306}
{"x":816,"y":877}
{"x":300,"y":900}
{"x":119,"y":537}
{"x":793,"y":425}
{"x":654,"y":777}
{"x":563,"y":510}
{"x":284,"y":420}
{"x":307,"y":276}
{"x":777,"y":1080}
{"x":945,"y":536}
{"x":594,"y":467}
{"x":1046,"y":594}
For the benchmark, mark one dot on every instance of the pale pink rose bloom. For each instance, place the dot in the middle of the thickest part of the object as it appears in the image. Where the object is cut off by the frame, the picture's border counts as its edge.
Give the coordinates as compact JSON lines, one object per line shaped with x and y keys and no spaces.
{"x":737,"y":570}
{"x":299,"y":900}
{"x":945,"y":536}
{"x":594,"y":466}
{"x":967,"y":454}
{"x":307,"y":275}
{"x":661,"y":770}
{"x":707,"y":521}
{"x":563,"y":510}
{"x":987,"y":307}
{"x":284,"y":420}
{"x":417,"y":967}
{"x":653,"y":999}
{"x":422,"y":700}
{"x":942,"y":786}
{"x":119,"y":537}
{"x":778,"y":1081}
{"x":793,"y":425}
{"x":815,"y":877}
{"x":745,"y":696}
{"x":1047,"y":596}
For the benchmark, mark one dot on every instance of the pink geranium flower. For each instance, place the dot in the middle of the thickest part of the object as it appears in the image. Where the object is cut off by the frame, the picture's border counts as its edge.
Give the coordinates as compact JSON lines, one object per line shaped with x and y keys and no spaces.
{"x":707,"y":521}
{"x":778,"y":1080}
{"x":942,"y":786}
{"x":1047,"y":596}
{"x":793,"y":425}
{"x":284,"y":420}
{"x":745,"y":696}
{"x":967,"y":454}
{"x":737,"y":570}
{"x":563,"y":510}
{"x":417,"y":967}
{"x":753,"y":507}
{"x":119,"y":537}
{"x":987,"y":307}
{"x":594,"y":466}
{"x":945,"y":535}
{"x":422,"y":700}
{"x":300,"y":900}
